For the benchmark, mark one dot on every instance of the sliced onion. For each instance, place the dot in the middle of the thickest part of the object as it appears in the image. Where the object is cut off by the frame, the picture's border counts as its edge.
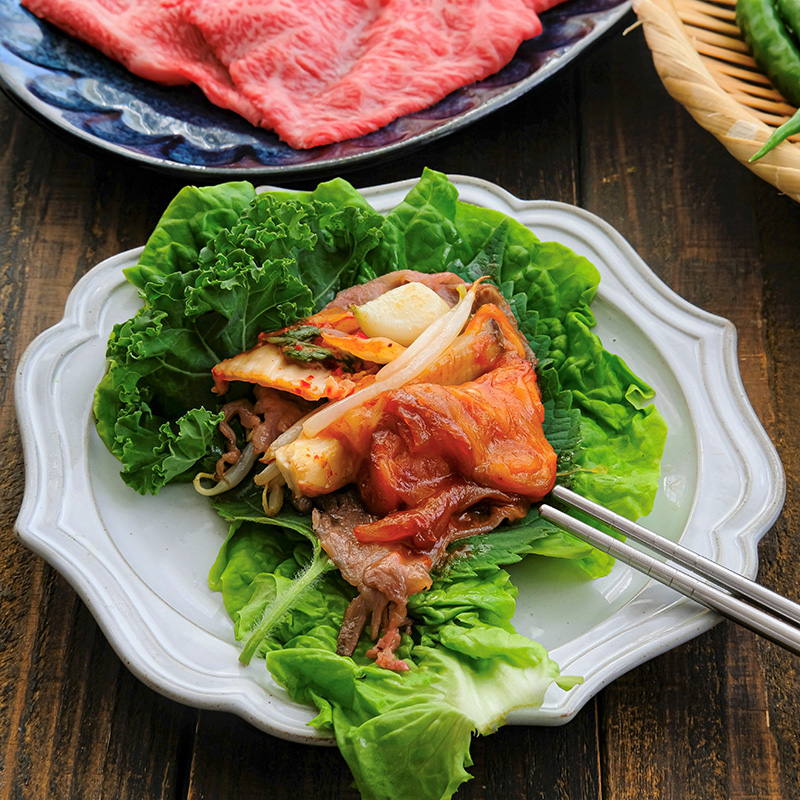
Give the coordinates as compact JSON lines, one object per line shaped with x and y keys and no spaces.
{"x":443,"y":326}
{"x":232,"y":477}
{"x":427,"y":347}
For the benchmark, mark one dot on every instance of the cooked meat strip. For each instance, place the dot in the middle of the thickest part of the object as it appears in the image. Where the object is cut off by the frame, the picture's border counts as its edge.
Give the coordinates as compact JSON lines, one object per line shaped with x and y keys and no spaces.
{"x":278,"y":412}
{"x":443,"y":283}
{"x":487,"y":294}
{"x":272,"y":413}
{"x":244,"y":410}
{"x":386,"y":575}
{"x":444,"y":515}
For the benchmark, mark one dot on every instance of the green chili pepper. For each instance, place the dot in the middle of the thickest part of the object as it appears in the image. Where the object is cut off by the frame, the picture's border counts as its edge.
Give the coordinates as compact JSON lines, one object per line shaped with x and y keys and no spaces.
{"x":789,"y":12}
{"x":789,"y":128}
{"x":772,"y":45}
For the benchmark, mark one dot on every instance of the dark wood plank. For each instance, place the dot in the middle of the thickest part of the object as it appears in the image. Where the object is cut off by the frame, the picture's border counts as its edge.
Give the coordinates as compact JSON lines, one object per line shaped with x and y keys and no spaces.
{"x":523,"y":762}
{"x":233,"y":760}
{"x":695,"y":722}
{"x":779,"y":245}
{"x":76,"y":723}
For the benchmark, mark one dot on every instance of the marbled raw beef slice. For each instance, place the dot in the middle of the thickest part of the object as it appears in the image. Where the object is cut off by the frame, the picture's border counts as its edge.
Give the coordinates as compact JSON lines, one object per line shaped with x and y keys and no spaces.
{"x":152,"y":40}
{"x":328,"y":70}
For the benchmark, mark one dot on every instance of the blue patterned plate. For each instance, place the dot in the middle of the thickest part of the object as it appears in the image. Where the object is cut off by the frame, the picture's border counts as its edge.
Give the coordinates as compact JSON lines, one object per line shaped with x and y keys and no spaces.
{"x":77,"y":89}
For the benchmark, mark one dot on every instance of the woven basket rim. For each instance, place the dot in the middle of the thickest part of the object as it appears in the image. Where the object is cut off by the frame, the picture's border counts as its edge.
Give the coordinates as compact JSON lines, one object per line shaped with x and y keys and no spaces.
{"x":685,"y":73}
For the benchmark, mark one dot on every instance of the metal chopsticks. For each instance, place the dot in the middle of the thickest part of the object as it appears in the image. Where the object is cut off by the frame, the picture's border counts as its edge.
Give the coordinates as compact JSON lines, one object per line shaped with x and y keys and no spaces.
{"x":760,"y":610}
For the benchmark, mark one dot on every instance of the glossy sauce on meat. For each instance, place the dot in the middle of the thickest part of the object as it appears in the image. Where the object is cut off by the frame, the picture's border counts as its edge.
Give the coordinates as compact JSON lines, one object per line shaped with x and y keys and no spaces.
{"x":430,"y":453}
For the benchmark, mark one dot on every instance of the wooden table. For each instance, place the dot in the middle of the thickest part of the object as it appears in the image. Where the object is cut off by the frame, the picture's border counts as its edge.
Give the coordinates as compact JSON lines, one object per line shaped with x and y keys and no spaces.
{"x":718,"y":717}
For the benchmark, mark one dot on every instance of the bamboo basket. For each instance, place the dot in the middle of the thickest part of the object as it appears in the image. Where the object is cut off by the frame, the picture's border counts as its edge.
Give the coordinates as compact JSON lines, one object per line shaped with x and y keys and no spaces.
{"x":704,"y":63}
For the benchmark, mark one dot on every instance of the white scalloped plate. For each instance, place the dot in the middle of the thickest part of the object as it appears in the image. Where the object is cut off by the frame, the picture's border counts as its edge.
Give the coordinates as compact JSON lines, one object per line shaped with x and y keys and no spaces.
{"x":141,"y":563}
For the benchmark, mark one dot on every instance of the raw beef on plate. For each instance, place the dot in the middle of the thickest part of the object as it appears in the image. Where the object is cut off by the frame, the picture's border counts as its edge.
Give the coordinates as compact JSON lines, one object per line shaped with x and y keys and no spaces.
{"x":150,"y":39}
{"x":343,"y":68}
{"x":315,"y":72}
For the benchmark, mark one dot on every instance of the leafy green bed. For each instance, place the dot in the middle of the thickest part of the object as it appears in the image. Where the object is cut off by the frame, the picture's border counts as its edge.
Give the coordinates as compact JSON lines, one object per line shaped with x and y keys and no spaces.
{"x":224,"y":265}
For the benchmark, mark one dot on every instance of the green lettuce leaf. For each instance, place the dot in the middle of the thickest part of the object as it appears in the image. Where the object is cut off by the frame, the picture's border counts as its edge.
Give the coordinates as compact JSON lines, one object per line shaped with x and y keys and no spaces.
{"x":187,"y":225}
{"x":221,"y":267}
{"x":468,"y":668}
{"x":224,"y":265}
{"x":408,"y":734}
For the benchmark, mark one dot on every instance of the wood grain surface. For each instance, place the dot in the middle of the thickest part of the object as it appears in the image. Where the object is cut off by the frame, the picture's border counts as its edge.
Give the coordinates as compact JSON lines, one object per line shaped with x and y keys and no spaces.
{"x":718,"y":717}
